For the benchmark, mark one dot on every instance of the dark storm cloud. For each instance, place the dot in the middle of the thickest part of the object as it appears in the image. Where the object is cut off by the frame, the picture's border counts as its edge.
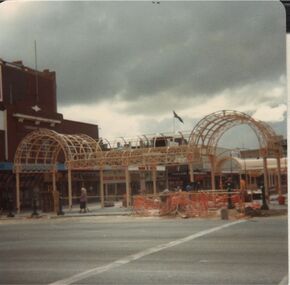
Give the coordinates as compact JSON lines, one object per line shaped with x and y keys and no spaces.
{"x":224,"y":52}
{"x":133,"y":50}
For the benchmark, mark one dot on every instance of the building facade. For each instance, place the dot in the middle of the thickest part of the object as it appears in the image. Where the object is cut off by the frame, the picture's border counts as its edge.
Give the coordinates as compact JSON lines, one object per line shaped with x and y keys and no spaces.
{"x":28,"y":101}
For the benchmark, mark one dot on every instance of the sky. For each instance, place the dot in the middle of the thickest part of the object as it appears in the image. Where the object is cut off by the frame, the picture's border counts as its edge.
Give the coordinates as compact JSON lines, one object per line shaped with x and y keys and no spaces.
{"x":127,"y":65}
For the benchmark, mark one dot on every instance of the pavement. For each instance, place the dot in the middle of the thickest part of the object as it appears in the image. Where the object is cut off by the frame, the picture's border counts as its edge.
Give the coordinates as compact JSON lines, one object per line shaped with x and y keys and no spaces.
{"x":95,"y":209}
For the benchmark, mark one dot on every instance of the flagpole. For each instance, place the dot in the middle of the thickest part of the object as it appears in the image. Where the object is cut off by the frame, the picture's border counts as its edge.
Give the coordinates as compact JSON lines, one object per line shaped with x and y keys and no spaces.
{"x":173,"y":125}
{"x":36,"y":73}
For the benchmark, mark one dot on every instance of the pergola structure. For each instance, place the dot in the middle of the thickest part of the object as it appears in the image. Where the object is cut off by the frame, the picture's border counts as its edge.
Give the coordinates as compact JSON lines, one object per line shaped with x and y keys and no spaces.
{"x":211,"y":128}
{"x":252,"y":168}
{"x":39,"y":151}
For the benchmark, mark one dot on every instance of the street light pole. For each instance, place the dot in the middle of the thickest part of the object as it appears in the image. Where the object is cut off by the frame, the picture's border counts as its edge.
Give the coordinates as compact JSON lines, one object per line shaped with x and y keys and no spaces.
{"x":264,"y":205}
{"x":231,"y":156}
{"x":229,"y":190}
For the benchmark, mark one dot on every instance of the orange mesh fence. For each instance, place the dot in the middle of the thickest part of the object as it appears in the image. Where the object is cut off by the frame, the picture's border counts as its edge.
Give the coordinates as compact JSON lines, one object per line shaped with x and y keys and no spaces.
{"x":144,"y":205}
{"x":185,"y":204}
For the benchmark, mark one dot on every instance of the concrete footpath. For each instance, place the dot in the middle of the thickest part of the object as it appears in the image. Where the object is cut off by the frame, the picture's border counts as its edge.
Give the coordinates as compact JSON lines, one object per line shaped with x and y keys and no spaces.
{"x":95,"y":209}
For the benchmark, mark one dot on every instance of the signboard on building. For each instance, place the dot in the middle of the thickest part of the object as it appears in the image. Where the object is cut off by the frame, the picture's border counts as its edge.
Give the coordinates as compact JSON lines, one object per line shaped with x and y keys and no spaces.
{"x":115,"y":176}
{"x":146,"y":168}
{"x":37,"y":167}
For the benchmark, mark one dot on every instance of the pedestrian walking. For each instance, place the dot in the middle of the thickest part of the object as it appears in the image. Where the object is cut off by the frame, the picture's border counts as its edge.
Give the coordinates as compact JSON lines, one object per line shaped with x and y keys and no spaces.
{"x":83,"y":200}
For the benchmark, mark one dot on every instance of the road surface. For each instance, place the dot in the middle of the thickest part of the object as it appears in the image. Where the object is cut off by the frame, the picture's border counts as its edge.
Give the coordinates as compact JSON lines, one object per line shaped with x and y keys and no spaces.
{"x":130,"y":250}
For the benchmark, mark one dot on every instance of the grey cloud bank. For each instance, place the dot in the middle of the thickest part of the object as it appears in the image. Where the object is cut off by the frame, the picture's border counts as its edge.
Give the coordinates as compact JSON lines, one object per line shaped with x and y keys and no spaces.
{"x":153,"y":58}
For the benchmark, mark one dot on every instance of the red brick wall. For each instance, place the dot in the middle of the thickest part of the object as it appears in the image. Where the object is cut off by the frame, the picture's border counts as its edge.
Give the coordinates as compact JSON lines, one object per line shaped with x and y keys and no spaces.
{"x":19,"y":88}
{"x":19,"y":92}
{"x":18,"y":130}
{"x":72,"y":127}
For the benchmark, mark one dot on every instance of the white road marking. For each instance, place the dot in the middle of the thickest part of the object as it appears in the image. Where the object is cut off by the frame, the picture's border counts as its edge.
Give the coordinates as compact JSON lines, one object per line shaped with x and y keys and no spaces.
{"x":130,"y":258}
{"x":284,"y":281}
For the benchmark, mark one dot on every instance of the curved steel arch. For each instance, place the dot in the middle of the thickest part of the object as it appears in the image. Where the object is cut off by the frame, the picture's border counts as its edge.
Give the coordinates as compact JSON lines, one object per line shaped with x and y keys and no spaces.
{"x":225,"y":159}
{"x":39,"y":150}
{"x":211,"y":128}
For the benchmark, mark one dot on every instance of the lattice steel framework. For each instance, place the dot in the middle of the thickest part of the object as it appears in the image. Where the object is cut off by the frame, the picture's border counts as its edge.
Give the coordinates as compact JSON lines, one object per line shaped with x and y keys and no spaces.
{"x":210,"y":129}
{"x":116,"y":158}
{"x":39,"y":150}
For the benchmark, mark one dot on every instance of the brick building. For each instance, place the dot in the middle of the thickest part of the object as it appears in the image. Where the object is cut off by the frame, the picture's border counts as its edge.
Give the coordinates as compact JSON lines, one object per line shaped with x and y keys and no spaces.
{"x":28,"y":101}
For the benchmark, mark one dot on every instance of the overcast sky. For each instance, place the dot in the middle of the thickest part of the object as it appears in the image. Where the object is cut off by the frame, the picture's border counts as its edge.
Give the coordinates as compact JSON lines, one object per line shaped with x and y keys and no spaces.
{"x":127,"y":65}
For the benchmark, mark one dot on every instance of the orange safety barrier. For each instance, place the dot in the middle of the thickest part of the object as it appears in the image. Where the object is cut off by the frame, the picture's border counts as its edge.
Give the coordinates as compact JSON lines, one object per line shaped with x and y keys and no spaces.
{"x":185,"y":204}
{"x":142,"y":205}
{"x":181,"y":203}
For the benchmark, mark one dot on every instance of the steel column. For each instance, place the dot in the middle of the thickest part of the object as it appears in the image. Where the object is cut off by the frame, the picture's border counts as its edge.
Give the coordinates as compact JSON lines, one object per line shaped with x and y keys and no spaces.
{"x":212,"y":161}
{"x":53,"y":180}
{"x":18,"y":192}
{"x":69,"y":178}
{"x":102,"y":188}
{"x":266,"y":184}
{"x":154,"y":178}
{"x":128,"y":190}
{"x":191,"y":176}
{"x":279,"y":176}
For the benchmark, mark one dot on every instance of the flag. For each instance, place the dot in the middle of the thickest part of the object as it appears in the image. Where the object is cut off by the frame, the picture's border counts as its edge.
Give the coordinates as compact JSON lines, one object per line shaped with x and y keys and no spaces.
{"x":176,"y":116}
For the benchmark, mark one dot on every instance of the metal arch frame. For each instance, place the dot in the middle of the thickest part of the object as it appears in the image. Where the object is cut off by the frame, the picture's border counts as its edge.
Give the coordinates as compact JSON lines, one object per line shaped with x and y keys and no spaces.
{"x":151,"y":156}
{"x":30,"y":150}
{"x":43,"y":146}
{"x":78,"y":148}
{"x":109,"y":144}
{"x":135,"y":155}
{"x":223,"y":160}
{"x":220,"y":163}
{"x":211,"y":128}
{"x":84,"y":153}
{"x":38,"y":152}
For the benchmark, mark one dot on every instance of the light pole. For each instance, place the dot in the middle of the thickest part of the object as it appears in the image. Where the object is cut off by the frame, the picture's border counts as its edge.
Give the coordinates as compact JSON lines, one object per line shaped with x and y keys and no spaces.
{"x":35,"y":199}
{"x":231,"y":156}
{"x":229,"y":190}
{"x":264,"y":205}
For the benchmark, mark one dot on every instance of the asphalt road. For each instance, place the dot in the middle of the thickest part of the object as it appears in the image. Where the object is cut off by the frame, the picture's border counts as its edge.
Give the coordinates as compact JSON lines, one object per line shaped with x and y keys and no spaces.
{"x":127,"y":250}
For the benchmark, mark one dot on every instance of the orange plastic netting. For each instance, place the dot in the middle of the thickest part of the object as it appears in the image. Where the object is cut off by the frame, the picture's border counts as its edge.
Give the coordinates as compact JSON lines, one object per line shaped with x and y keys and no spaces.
{"x":184,"y":204}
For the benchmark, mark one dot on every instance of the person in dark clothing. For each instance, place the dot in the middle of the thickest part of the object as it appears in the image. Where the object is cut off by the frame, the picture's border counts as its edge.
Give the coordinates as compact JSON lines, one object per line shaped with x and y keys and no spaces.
{"x":83,"y":200}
